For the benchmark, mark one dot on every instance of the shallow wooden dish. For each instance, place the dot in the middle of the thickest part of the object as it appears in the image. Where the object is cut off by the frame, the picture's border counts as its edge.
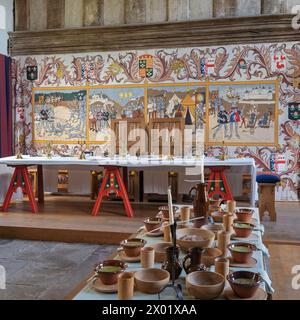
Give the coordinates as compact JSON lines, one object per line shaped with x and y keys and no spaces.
{"x":260,"y":294}
{"x":100,"y":287}
{"x":215,"y":228}
{"x":151,"y":281}
{"x":160,"y":251}
{"x":209,"y":255}
{"x":206,"y":242}
{"x":205,"y":285}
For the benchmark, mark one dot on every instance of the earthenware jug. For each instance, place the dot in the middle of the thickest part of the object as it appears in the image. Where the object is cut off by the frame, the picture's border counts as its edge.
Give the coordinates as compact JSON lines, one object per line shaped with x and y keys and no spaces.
{"x":167,"y":264}
{"x":200,"y":202}
{"x":192,"y":261}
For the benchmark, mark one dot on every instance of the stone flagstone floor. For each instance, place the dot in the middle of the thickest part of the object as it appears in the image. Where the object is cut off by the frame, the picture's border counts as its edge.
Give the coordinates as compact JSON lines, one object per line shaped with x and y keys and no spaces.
{"x":46,"y":270}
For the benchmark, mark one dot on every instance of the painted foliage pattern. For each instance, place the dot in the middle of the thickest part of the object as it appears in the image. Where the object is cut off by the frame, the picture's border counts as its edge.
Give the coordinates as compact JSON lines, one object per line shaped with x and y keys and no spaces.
{"x":228,"y":63}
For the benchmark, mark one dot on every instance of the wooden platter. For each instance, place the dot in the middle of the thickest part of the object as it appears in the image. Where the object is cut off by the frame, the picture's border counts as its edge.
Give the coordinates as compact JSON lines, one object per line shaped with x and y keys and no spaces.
{"x":252,"y":263}
{"x":259,"y":295}
{"x":125,"y":258}
{"x":100,"y":287}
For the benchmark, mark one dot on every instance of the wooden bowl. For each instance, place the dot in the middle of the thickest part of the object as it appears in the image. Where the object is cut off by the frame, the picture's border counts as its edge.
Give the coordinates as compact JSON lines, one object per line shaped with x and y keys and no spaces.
{"x":215,"y":228}
{"x":132,"y":247}
{"x":242,"y":229}
{"x":241,"y":252}
{"x":105,"y":271}
{"x":209,"y":255}
{"x":244,"y":283}
{"x":152,"y":224}
{"x":244,"y":215}
{"x":165,"y":211}
{"x":217,"y":216}
{"x":151,"y":281}
{"x":206,"y":238}
{"x":160,"y":251}
{"x":205,"y":285}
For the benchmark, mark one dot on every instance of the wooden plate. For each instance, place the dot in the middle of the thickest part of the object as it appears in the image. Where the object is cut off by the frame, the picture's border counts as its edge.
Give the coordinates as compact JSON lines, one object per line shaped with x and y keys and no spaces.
{"x":100,"y":287}
{"x":154,"y":234}
{"x":252,"y":263}
{"x":259,"y":295}
{"x":125,"y":258}
{"x":253,"y":237}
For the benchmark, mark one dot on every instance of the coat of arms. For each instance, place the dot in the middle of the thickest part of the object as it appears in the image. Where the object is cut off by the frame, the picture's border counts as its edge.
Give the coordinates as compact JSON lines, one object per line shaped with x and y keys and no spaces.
{"x":279,"y":62}
{"x":146,"y":66}
{"x":207,"y":66}
{"x":294,"y":111}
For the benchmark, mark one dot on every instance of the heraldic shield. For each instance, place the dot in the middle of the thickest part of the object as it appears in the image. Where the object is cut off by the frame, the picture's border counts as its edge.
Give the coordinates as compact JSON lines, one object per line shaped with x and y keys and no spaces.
{"x":146,"y":66}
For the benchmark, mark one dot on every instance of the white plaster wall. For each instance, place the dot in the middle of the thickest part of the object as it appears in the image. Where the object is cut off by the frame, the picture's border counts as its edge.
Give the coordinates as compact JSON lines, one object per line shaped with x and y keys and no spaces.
{"x":6,"y":23}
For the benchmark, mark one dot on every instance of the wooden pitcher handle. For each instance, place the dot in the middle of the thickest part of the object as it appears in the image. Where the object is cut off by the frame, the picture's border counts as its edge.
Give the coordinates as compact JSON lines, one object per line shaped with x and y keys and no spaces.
{"x":194,"y":188}
{"x":188,"y":256}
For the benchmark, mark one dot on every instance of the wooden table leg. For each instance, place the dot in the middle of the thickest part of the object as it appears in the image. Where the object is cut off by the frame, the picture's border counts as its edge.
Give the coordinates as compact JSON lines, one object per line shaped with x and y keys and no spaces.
{"x":40,"y":183}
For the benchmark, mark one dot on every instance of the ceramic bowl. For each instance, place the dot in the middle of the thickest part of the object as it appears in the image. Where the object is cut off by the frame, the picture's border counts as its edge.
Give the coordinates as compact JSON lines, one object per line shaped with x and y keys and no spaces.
{"x":217,"y":216}
{"x":132,"y":247}
{"x":215,"y":228}
{"x":165,"y":211}
{"x":241,"y":252}
{"x":152,"y":224}
{"x":205,"y":285}
{"x":201,"y":221}
{"x":160,"y":251}
{"x":185,"y":238}
{"x":242,"y":229}
{"x":209,"y":255}
{"x":108,"y":271}
{"x":244,"y":283}
{"x":151,"y":281}
{"x":244,"y":215}
{"x":214,"y":202}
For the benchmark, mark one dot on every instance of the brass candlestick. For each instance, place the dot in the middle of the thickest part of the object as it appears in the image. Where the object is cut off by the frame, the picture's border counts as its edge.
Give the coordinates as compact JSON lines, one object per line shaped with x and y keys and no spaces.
{"x":82,"y":154}
{"x":223,"y":156}
{"x":48,"y":150}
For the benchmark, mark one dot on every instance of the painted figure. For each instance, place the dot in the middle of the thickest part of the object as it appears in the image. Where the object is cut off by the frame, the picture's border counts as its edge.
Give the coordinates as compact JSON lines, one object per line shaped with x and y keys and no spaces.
{"x":234,"y":120}
{"x":222,"y":121}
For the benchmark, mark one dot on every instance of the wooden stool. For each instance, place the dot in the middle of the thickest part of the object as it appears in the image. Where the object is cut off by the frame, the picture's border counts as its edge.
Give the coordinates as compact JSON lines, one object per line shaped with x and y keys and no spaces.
{"x":266,"y":200}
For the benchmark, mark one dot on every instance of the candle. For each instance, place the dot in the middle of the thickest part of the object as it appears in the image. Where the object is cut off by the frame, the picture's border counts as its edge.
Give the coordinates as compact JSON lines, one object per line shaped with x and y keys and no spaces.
{"x":18,"y":136}
{"x":202,"y":170}
{"x":171,"y":215}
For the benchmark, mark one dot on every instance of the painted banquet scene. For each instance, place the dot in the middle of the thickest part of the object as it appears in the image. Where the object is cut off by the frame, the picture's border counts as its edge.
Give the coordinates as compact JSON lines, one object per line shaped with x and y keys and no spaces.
{"x":149,"y":150}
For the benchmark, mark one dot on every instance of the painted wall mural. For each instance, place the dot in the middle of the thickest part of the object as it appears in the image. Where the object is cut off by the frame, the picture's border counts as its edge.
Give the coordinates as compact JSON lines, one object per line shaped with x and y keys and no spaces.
{"x":243,"y":113}
{"x":59,"y":115}
{"x":157,"y":70}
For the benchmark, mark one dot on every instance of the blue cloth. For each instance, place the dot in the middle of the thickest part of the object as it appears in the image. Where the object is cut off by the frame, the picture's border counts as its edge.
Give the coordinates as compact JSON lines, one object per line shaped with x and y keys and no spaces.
{"x":267,"y":178}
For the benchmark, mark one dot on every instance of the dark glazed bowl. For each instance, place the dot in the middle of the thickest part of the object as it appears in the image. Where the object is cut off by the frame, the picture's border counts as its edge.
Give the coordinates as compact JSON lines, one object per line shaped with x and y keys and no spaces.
{"x":132,"y":247}
{"x":244,"y":215}
{"x":244,"y":283}
{"x":110,"y":277}
{"x":239,"y":255}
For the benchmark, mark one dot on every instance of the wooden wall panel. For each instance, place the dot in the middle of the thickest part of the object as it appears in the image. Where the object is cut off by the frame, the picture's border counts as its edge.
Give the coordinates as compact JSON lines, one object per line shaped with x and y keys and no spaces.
{"x":201,"y":9}
{"x":113,"y":12}
{"x":178,"y":10}
{"x":93,"y":12}
{"x":135,"y":11}
{"x":273,"y":6}
{"x":55,"y":14}
{"x":38,"y":14}
{"x":73,"y":13}
{"x":238,"y":8}
{"x":156,"y":11}
{"x":21,"y":15}
{"x":290,"y":4}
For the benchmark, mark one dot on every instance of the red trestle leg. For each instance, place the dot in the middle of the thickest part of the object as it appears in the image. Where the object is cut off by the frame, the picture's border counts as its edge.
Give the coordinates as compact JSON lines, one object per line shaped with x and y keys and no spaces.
{"x":20,"y":179}
{"x":112,"y":173}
